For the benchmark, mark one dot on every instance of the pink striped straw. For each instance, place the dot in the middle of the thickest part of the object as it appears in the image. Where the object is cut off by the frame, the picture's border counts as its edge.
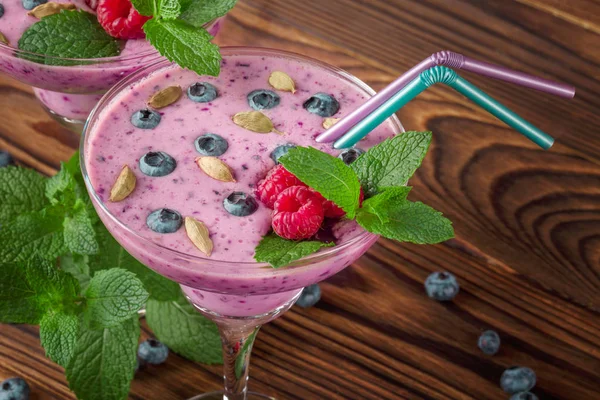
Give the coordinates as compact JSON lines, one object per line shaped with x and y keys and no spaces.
{"x":452,"y":60}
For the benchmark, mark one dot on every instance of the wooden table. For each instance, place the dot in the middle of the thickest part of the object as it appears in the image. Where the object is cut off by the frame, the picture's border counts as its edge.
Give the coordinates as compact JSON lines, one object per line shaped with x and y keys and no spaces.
{"x":527,"y":251}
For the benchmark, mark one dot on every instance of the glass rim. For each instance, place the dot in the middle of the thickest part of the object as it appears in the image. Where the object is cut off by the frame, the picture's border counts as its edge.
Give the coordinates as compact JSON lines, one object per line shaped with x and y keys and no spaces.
{"x":99,"y":60}
{"x":231,"y":50}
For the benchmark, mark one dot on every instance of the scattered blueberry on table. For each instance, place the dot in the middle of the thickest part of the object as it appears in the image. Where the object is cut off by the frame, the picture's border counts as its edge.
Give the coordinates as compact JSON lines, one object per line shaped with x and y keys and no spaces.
{"x":262,"y":99}
{"x":524,"y":396}
{"x":202,"y":92}
{"x":441,"y":286}
{"x":517,"y":379}
{"x":164,"y":220}
{"x":240,"y":204}
{"x":14,"y":389}
{"x":6,"y":159}
{"x":145,"y":119}
{"x":310,"y":296}
{"x":350,"y":155}
{"x":153,"y":352}
{"x":322,"y":105}
{"x":280,"y":151}
{"x":489,"y":342}
{"x":211,"y":145}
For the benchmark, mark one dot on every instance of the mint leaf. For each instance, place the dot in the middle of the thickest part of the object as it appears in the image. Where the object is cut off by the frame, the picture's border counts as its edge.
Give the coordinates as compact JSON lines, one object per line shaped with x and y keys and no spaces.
{"x":407,"y":222}
{"x":377,"y":205}
{"x":39,"y":233}
{"x":392,"y":162}
{"x":167,"y":9}
{"x":184,"y":330}
{"x":184,"y":44}
{"x":28,"y":290}
{"x":280,"y":252}
{"x":79,"y":233}
{"x":326,"y":174}
{"x":103,"y":363}
{"x":113,"y":296}
{"x":60,"y":189}
{"x":199,"y":12}
{"x":69,"y":34}
{"x":78,"y":266}
{"x":58,"y":334}
{"x":21,"y":191}
{"x":112,"y":255}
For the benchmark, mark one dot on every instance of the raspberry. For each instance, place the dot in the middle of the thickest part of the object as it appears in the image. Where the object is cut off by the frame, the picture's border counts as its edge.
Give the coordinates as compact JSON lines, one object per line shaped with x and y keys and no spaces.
{"x":298,"y":213}
{"x":276,"y":181}
{"x":333,"y":211}
{"x":93,"y":4}
{"x":120,"y":19}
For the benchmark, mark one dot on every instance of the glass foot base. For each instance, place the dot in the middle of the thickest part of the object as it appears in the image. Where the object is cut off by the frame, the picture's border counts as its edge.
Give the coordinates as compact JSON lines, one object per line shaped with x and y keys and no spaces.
{"x":221,"y":396}
{"x":74,"y":125}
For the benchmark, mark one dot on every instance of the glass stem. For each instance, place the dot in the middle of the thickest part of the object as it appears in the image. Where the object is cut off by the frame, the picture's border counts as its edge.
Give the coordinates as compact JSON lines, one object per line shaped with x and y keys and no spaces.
{"x":237,"y":337}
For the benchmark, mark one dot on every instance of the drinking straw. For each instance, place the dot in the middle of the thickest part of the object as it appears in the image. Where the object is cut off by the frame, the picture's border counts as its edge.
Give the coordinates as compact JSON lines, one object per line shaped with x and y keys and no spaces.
{"x":448,"y":77}
{"x":452,"y":60}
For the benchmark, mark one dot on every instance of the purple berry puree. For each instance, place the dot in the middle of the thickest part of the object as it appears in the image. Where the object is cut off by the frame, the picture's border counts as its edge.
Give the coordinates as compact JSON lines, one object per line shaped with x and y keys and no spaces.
{"x":228,"y":282}
{"x":87,"y":81}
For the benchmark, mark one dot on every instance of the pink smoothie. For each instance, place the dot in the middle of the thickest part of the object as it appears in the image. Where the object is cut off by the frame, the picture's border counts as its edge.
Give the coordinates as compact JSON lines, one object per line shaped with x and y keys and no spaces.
{"x":227,"y":282}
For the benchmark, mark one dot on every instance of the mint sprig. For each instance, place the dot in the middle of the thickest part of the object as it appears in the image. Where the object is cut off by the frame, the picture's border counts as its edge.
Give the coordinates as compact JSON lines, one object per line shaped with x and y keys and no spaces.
{"x":58,"y":335}
{"x":200,"y":12}
{"x":68,"y":34}
{"x":383,"y":172}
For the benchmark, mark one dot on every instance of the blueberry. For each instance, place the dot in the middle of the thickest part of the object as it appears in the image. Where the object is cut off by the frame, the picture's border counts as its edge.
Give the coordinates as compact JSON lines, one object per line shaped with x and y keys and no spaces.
{"x":31,"y":4}
{"x":517,"y":379}
{"x":348,"y":156}
{"x":152,"y":352}
{"x":263,"y":99}
{"x":322,"y":104}
{"x":441,"y":286}
{"x":1,"y":10}
{"x":524,"y":396}
{"x":280,"y":151}
{"x":157,"y":163}
{"x":489,"y":342}
{"x":6,"y":159}
{"x":14,"y":389}
{"x":145,"y":119}
{"x":164,"y":220}
{"x":210,"y":144}
{"x":202,"y":92}
{"x":240,"y":204}
{"x":310,"y":296}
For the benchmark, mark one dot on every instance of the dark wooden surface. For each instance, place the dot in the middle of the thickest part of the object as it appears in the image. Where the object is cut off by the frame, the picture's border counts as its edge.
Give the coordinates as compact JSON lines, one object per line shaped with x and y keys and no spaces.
{"x":527,"y":251}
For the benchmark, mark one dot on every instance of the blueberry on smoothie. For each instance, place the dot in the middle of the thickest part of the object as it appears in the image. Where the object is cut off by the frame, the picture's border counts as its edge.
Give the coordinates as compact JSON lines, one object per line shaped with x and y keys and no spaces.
{"x":441,"y":286}
{"x":280,"y":151}
{"x":31,"y":4}
{"x":157,"y":163}
{"x":262,"y":99}
{"x":6,"y":159}
{"x":202,"y":92}
{"x":322,"y":104}
{"x":152,"y":351}
{"x":524,"y":396}
{"x":310,"y":296}
{"x":14,"y":389}
{"x":145,"y":119}
{"x":1,"y":10}
{"x":517,"y":379}
{"x":164,"y":220}
{"x":240,"y":204}
{"x":489,"y":342}
{"x":348,"y":156}
{"x":210,"y":144}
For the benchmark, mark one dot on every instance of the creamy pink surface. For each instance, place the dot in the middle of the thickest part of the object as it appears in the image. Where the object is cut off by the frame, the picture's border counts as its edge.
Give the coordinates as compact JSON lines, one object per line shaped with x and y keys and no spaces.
{"x":113,"y":142}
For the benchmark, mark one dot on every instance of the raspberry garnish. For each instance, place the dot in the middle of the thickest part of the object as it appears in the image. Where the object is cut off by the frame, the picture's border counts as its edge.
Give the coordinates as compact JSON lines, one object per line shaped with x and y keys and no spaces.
{"x":93,"y":4}
{"x":298,"y":213}
{"x":120,"y":19}
{"x":276,"y":181}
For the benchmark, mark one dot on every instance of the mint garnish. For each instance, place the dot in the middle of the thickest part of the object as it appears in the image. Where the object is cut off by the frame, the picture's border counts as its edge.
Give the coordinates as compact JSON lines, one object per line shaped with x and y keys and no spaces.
{"x":200,"y":12}
{"x":382,"y":171}
{"x":167,"y":9}
{"x":21,"y":190}
{"x":177,"y":324}
{"x":113,"y":296}
{"x":391,"y":162}
{"x":326,"y":174}
{"x":103,"y":362}
{"x":280,"y":252}
{"x":69,"y":34}
{"x":58,"y":335}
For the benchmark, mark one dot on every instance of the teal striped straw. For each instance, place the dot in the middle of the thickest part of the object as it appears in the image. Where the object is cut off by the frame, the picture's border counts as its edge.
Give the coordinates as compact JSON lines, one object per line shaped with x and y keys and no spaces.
{"x":445,"y":75}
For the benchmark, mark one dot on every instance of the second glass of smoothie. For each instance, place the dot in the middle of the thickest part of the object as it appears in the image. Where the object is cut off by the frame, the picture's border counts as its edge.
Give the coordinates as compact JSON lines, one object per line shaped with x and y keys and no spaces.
{"x":227,"y":286}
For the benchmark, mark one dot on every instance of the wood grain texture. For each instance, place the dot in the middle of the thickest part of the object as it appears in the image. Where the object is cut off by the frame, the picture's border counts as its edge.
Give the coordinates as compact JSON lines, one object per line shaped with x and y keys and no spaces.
{"x":527,"y":251}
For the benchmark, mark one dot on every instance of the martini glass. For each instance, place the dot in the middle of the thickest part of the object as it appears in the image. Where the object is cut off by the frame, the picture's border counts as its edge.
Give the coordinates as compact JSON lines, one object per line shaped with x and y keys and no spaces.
{"x":68,"y":88}
{"x":238,"y":296}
